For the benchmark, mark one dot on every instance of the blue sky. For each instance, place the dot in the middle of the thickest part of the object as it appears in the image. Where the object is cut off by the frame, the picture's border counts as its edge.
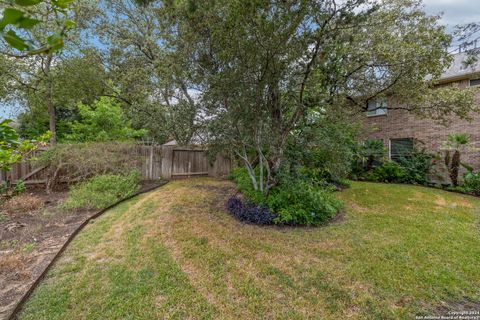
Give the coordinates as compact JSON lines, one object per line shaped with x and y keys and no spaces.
{"x":454,"y":12}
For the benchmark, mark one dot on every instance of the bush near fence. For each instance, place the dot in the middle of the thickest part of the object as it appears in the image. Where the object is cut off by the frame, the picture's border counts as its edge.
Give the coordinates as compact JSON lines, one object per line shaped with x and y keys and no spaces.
{"x":81,"y":161}
{"x":72,"y":163}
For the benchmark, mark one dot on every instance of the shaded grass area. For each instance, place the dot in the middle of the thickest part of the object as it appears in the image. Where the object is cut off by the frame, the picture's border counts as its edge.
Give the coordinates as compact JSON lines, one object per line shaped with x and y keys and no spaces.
{"x":175,"y":253}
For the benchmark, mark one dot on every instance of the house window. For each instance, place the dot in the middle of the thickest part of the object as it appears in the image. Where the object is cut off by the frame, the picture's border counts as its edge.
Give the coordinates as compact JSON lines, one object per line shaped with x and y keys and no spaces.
{"x":400,"y":148}
{"x":377,"y":107}
{"x":474,"y":82}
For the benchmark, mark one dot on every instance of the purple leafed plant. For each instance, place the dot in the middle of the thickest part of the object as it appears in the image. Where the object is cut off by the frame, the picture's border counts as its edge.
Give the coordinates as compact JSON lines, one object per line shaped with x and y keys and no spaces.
{"x":250,"y":212}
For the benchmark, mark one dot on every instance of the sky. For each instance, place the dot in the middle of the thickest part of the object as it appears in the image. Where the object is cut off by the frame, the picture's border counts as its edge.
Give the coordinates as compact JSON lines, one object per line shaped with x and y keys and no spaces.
{"x":454,"y":12}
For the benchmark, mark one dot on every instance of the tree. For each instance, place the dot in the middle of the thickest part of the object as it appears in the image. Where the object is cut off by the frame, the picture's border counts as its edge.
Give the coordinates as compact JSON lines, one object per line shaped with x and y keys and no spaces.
{"x":265,"y":66}
{"x":103,"y":121}
{"x":322,"y":148}
{"x":88,"y":84}
{"x":455,"y":143}
{"x":467,"y":36}
{"x":34,"y":33}
{"x":154,"y":80}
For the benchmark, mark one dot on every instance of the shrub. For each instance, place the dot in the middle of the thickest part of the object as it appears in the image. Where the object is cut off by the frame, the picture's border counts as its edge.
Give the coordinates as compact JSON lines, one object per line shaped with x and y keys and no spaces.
{"x":472,"y":182}
{"x":250,"y":212}
{"x":298,"y":203}
{"x":81,"y":161}
{"x":292,"y":202}
{"x":325,"y":147}
{"x":389,"y":172}
{"x":19,"y":188}
{"x":317,"y":177}
{"x":4,"y":187}
{"x":367,"y":155}
{"x":101,"y":191}
{"x":244,"y":185}
{"x":416,"y":166}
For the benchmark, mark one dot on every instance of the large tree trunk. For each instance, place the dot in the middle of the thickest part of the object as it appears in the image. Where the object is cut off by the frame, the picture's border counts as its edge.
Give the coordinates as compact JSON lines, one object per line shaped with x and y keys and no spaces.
{"x":52,"y":115}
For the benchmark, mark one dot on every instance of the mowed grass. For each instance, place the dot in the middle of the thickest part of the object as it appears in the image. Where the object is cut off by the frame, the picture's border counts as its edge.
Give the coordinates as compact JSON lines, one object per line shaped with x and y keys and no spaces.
{"x":175,"y":253}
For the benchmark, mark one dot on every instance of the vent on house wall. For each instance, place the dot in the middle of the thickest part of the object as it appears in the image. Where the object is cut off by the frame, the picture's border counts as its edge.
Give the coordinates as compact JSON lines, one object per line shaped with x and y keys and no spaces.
{"x":474,"y":82}
{"x":400,"y":148}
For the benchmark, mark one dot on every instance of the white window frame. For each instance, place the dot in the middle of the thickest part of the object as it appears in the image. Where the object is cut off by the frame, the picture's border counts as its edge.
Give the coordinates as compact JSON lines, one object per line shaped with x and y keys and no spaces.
{"x":379,"y":110}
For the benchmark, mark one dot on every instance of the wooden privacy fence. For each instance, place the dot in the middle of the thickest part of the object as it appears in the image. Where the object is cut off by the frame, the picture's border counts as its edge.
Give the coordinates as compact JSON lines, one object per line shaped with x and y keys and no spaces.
{"x":155,"y":162}
{"x":28,"y":171}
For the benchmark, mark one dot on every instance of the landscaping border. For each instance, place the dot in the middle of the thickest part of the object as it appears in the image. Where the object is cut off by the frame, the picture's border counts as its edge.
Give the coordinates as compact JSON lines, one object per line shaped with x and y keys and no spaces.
{"x":14,"y":314}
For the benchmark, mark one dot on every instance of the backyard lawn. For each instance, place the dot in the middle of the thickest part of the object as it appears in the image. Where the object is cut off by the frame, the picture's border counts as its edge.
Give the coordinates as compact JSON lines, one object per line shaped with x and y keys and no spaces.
{"x":396,"y":251}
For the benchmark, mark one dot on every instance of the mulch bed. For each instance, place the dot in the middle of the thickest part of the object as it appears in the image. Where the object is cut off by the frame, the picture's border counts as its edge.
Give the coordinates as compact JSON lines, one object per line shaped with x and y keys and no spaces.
{"x":32,"y":231}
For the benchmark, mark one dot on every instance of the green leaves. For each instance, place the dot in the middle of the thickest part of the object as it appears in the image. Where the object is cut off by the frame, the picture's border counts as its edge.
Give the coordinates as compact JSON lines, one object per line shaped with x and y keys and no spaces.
{"x":15,"y":41}
{"x":64,"y":4}
{"x":8,"y":135}
{"x":10,"y":16}
{"x":19,"y":20}
{"x":27,"y":23}
{"x":103,"y":121}
{"x":55,"y":41}
{"x":27,"y":3}
{"x":69,"y":24}
{"x":12,"y":149}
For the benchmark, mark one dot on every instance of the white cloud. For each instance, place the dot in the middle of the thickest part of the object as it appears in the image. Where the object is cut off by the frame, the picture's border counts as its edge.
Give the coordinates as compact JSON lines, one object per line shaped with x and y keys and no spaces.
{"x":454,"y":11}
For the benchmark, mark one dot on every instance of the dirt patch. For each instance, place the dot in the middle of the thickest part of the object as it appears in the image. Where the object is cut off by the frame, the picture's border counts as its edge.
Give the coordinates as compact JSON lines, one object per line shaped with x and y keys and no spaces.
{"x":22,"y":203}
{"x":32,"y":231}
{"x":358,"y":208}
{"x":440,"y":201}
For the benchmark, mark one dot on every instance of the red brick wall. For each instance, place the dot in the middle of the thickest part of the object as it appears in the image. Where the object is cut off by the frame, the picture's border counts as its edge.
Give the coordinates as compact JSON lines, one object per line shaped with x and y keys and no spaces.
{"x":403,"y":124}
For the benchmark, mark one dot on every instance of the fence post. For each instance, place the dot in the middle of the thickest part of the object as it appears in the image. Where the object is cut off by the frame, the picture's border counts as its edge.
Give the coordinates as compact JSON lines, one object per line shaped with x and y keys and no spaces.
{"x":167,"y":157}
{"x":150,"y":171}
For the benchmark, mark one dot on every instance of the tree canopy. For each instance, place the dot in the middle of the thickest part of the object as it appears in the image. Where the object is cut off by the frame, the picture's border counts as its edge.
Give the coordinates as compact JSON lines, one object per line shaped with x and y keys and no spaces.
{"x":104,"y":120}
{"x":265,"y":69}
{"x":263,"y":80}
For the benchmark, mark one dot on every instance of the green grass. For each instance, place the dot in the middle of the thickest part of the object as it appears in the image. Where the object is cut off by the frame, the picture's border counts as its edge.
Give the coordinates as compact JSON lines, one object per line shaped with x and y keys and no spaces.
{"x":175,"y":253}
{"x":102,"y":191}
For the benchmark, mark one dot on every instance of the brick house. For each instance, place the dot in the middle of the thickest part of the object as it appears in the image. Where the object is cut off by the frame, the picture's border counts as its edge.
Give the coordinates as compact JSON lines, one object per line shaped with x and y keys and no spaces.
{"x":401,"y":129}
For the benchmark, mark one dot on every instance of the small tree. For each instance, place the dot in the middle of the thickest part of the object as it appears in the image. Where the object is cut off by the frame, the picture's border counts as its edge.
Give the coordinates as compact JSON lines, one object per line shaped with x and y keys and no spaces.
{"x":35,"y":33}
{"x":104,"y":120}
{"x":456,"y":142}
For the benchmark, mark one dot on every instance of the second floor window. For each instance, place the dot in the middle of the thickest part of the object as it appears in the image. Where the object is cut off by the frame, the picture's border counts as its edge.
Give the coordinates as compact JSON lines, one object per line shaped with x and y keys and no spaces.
{"x":377,"y":107}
